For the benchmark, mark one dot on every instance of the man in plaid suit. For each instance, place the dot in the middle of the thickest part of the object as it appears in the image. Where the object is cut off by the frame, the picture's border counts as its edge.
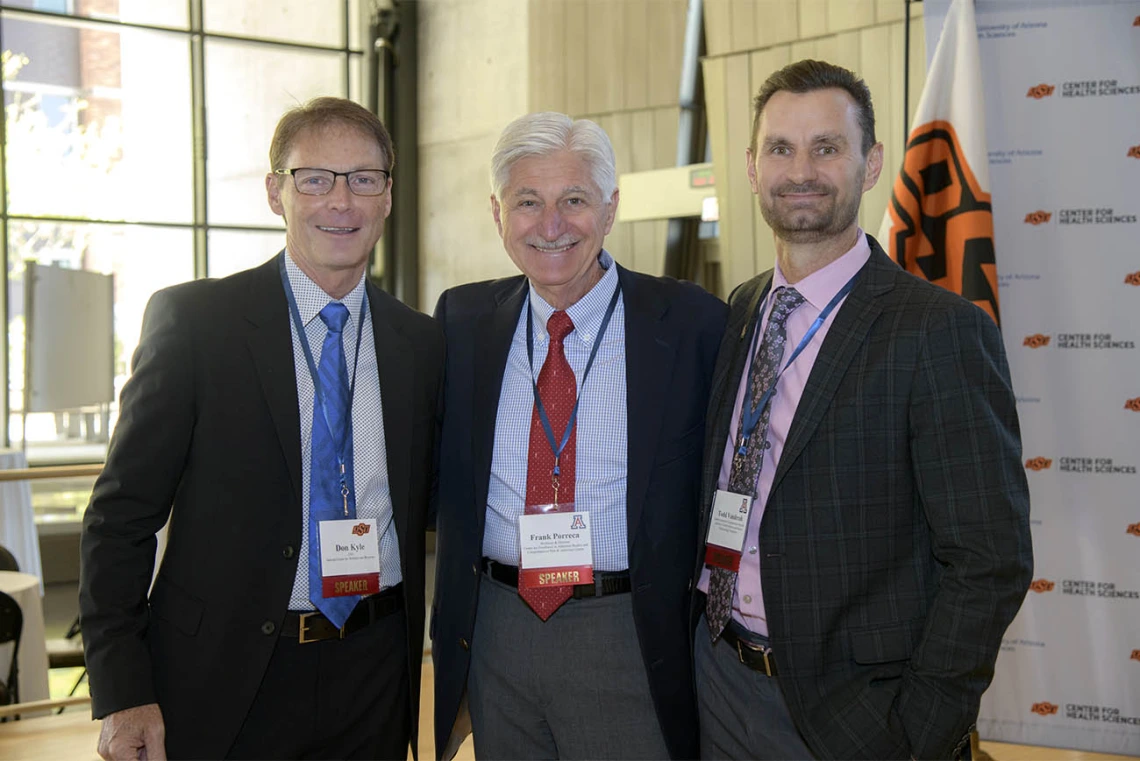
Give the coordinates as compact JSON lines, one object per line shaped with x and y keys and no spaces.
{"x":857,"y":607}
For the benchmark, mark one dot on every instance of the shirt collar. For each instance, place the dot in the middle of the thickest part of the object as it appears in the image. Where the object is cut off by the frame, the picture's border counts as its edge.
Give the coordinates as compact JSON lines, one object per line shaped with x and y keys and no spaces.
{"x":587,"y":312}
{"x":820,"y":287}
{"x":311,"y":298}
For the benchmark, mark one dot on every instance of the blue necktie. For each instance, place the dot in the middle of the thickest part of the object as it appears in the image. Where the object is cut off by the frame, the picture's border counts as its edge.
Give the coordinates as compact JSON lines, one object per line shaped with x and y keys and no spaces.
{"x":326,"y":497}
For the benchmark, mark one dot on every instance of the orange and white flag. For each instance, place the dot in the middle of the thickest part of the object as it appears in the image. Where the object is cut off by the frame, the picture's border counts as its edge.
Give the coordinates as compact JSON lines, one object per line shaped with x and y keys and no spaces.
{"x":939,"y":222}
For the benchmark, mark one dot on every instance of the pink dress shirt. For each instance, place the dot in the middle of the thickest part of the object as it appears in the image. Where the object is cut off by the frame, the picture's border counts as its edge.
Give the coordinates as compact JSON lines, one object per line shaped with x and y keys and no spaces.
{"x":818,"y":289}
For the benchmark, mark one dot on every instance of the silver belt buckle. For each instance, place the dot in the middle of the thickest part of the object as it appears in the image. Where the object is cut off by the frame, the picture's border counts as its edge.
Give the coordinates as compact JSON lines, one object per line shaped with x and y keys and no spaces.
{"x":741,"y":646}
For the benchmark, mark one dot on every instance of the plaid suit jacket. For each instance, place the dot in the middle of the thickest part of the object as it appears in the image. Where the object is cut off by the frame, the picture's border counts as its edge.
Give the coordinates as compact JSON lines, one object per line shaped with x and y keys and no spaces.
{"x":896,"y":545}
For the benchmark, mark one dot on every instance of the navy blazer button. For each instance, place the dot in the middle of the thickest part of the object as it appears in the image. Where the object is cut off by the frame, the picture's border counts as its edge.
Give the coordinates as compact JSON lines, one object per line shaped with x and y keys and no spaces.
{"x":287,"y":552}
{"x":268,"y":627}
{"x":463,"y":644}
{"x":475,"y":569}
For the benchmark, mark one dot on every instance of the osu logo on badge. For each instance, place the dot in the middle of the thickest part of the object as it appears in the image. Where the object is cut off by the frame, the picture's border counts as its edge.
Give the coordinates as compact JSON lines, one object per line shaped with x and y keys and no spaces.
{"x":1132,"y":278}
{"x":1044,"y":709}
{"x":1038,"y":217}
{"x":1134,"y":529}
{"x":578,"y":523}
{"x":1134,"y":152}
{"x":1133,"y":404}
{"x":942,"y":224}
{"x":1040,"y":91}
{"x":1041,"y":586}
{"x":1036,"y":341}
{"x":360,"y":529}
{"x":1038,"y":463}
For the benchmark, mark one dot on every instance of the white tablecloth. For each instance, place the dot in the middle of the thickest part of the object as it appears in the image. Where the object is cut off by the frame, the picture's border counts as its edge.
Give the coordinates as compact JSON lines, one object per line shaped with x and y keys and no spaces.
{"x":17,"y":522}
{"x":24,"y":588}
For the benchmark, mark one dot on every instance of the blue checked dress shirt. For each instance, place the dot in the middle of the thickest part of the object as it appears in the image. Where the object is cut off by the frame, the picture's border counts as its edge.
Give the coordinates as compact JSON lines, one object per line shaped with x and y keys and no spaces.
{"x":370,"y":461}
{"x":600,"y":478}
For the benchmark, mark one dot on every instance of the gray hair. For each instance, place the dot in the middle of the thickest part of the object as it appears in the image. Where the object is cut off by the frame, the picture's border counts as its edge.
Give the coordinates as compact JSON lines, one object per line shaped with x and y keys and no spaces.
{"x":546,"y":133}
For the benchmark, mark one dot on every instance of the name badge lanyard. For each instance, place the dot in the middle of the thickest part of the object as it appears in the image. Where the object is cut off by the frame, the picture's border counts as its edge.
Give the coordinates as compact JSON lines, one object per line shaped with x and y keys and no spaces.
{"x":321,"y":398}
{"x":750,"y":415}
{"x":555,"y":447}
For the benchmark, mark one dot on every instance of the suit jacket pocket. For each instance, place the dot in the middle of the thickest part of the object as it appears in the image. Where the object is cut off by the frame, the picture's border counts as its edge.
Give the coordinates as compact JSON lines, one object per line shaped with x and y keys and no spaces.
{"x":885,"y":644}
{"x":179,"y":608}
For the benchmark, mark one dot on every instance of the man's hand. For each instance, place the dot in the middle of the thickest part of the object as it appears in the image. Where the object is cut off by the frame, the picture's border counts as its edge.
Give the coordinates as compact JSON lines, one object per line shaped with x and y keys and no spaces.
{"x":134,"y":733}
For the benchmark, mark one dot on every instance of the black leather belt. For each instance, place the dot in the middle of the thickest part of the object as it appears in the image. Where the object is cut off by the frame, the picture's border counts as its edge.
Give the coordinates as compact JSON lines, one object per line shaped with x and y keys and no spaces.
{"x":755,"y":656}
{"x":605,"y":582}
{"x":312,"y":626}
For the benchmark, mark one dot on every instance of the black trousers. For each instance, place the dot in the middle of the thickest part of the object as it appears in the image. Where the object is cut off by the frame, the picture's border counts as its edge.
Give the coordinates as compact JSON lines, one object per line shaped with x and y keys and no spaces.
{"x":334,"y":699}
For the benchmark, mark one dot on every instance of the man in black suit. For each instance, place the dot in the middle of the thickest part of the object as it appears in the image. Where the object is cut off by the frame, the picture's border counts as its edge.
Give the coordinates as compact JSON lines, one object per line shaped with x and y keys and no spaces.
{"x":284,"y":419}
{"x":579,"y":387}
{"x":864,"y":422}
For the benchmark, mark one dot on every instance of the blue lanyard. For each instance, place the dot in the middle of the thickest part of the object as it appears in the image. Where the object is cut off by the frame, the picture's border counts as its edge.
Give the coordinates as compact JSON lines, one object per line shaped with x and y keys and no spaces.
{"x":750,"y":415}
{"x":542,"y":416}
{"x":321,"y":399}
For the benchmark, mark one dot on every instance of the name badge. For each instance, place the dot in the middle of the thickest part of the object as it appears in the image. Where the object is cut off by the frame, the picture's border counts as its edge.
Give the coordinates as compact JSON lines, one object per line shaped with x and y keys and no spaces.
{"x":728,"y":525}
{"x":556,"y":550}
{"x":350,"y":557}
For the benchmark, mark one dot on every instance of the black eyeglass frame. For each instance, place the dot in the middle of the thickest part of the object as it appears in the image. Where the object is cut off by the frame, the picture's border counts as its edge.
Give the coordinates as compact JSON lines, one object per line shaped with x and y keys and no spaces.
{"x":346,"y":175}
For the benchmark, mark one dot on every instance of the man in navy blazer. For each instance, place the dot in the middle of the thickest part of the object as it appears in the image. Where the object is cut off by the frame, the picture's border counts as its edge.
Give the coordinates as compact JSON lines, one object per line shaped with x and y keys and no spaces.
{"x":605,"y":670}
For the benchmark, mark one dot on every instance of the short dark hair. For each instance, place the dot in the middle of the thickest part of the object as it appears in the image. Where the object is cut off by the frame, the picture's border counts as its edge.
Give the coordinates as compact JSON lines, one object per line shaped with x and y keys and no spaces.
{"x":320,"y":113}
{"x":807,"y":76}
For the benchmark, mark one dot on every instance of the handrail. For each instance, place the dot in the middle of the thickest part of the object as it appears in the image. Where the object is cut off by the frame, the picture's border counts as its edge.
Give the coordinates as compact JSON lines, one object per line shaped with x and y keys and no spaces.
{"x":50,"y":471}
{"x":33,"y":706}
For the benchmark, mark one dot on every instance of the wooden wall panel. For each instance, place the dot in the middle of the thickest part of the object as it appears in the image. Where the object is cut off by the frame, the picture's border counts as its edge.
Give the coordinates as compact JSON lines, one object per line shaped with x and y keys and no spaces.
{"x":666,"y":35}
{"x":802,"y":49}
{"x":604,"y":50}
{"x":917,"y":63}
{"x":776,"y":21}
{"x":547,"y":28}
{"x":574,"y":62}
{"x":742,"y":24}
{"x":844,"y":15}
{"x":635,"y":48}
{"x":813,"y":18}
{"x":718,"y":27}
{"x":619,"y":127}
{"x":889,"y":10}
{"x":665,"y":125}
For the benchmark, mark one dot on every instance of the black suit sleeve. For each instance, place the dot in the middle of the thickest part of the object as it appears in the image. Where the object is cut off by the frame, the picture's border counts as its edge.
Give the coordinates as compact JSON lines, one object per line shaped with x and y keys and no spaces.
{"x":130,"y":503}
{"x":966,"y":454}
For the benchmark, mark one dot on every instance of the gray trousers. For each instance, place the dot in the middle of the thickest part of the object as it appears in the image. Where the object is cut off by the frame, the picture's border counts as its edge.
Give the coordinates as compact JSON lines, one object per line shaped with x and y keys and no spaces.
{"x":742,"y":712}
{"x":572,"y":687}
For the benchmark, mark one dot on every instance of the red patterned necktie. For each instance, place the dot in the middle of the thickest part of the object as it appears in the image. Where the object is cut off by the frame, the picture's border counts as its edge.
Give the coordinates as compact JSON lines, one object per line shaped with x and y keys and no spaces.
{"x":558,"y":390}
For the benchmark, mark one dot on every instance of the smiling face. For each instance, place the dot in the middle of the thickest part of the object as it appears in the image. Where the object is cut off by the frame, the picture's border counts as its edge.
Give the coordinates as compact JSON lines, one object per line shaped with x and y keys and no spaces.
{"x":809,"y":171}
{"x":553,"y":220}
{"x":330,"y":237}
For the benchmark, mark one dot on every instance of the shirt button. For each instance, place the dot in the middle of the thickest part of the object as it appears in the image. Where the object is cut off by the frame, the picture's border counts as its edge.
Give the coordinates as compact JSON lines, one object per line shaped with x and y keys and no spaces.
{"x":463,"y":644}
{"x":751,"y":550}
{"x":268,"y":628}
{"x":287,"y":552}
{"x":748,"y":599}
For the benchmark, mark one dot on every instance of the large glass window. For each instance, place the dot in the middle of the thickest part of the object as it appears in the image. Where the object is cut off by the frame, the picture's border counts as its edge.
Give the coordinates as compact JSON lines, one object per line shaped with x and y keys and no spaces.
{"x":107,"y":167}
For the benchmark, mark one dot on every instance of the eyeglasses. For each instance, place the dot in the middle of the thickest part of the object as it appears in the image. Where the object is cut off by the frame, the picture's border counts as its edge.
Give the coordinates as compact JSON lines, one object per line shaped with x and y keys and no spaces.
{"x":318,"y":182}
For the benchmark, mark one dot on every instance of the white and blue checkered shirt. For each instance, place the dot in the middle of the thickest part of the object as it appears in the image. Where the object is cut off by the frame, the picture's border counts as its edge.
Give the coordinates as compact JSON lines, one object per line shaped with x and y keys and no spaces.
{"x":600,"y":469}
{"x":369,"y":457}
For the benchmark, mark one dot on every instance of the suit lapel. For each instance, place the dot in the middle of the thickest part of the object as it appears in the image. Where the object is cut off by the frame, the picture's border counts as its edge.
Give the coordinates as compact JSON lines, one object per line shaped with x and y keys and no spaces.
{"x":270,"y":343}
{"x":396,"y":367}
{"x":649,"y":357}
{"x":491,"y":342}
{"x":843,"y":340}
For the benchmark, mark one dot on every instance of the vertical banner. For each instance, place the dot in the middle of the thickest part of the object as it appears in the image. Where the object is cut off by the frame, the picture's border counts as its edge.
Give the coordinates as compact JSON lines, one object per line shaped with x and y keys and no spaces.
{"x":1062,"y":111}
{"x":939,"y":222}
